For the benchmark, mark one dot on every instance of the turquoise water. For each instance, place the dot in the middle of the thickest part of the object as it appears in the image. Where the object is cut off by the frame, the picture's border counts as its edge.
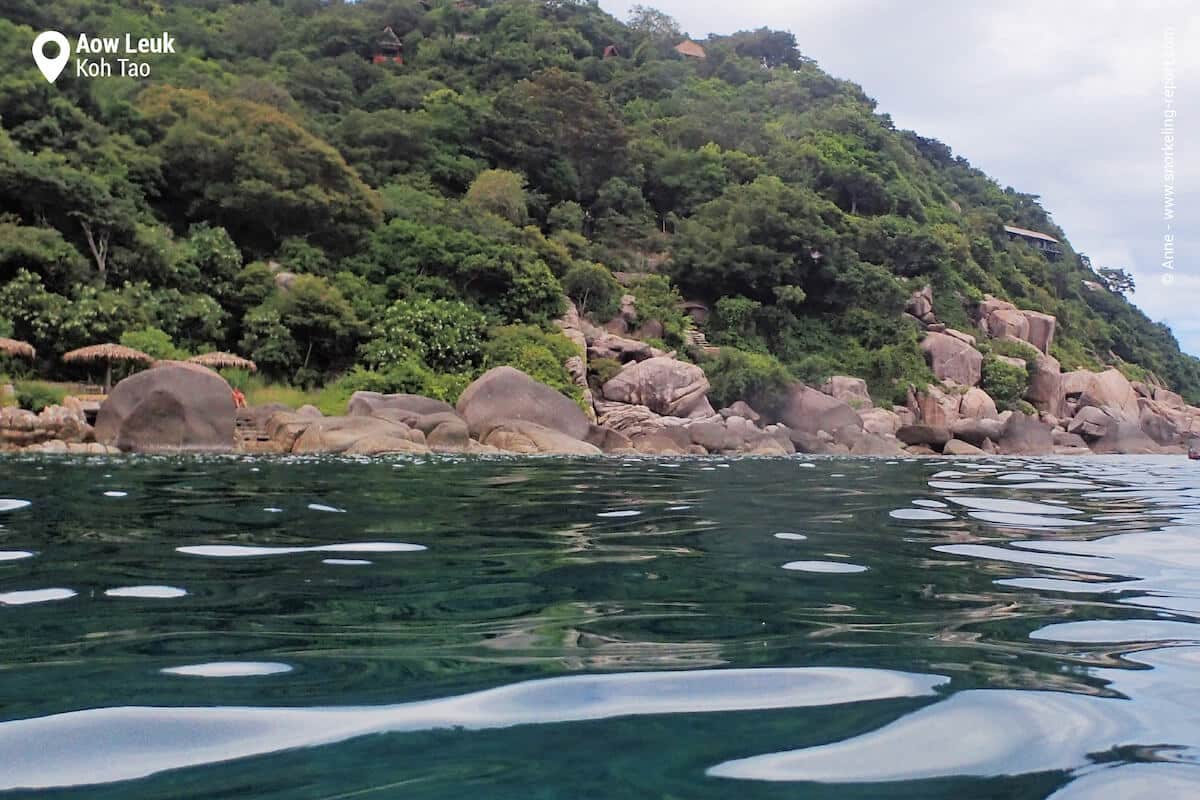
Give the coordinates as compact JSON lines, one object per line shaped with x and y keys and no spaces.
{"x":600,"y":629}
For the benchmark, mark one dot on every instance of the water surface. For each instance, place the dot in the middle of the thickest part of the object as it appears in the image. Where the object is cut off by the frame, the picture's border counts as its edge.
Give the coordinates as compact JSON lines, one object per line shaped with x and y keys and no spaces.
{"x":1003,"y":628}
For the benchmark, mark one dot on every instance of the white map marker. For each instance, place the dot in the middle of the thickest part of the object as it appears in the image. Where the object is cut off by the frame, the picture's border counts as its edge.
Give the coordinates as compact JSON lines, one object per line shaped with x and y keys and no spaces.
{"x":51,"y":67}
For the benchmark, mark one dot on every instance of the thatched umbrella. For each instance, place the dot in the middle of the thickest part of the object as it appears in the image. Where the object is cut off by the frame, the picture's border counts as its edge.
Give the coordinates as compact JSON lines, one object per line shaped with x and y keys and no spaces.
{"x":108,"y":353}
{"x":13,"y":347}
{"x":221,"y":360}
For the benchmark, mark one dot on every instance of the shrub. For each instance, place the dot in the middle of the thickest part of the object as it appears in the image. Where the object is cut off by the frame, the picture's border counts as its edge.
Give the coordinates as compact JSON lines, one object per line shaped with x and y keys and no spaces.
{"x":604,"y":370}
{"x":446,"y":335}
{"x":757,"y":378}
{"x":658,"y":299}
{"x":36,"y":395}
{"x":540,"y":355}
{"x":1014,"y":348}
{"x":594,"y":290}
{"x":1005,"y":382}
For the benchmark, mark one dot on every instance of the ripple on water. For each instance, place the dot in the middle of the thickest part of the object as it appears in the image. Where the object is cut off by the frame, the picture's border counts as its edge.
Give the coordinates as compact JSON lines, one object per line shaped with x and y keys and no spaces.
{"x":326,"y":509}
{"x":920,"y":515}
{"x":230,"y":669}
{"x":35,"y":596}
{"x":115,"y":493}
{"x":791,"y":537}
{"x":148,"y":592}
{"x":618,"y":514}
{"x":31,"y":749}
{"x":7,"y":504}
{"x":244,"y":551}
{"x":14,"y":555}
{"x":832,"y":567}
{"x":346,"y":562}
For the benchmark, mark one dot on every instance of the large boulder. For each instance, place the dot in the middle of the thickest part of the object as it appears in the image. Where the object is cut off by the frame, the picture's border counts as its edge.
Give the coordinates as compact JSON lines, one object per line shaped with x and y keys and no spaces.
{"x":1045,"y":390}
{"x":1091,"y":423}
{"x":977,"y":404}
{"x":957,"y":447}
{"x":368,"y":404}
{"x":920,"y":305}
{"x":809,"y":411}
{"x":618,"y":348}
{"x":1024,"y":435}
{"x":1007,"y":323}
{"x":976,"y":431}
{"x":355,"y":435}
{"x":934,"y":436}
{"x":1157,"y":422}
{"x":665,"y":386}
{"x":1109,"y":389}
{"x":523,"y":436}
{"x":1126,"y":438}
{"x":880,"y":421}
{"x":505,"y":394}
{"x":935,"y":406}
{"x":952,"y":359}
{"x":1041,"y":329}
{"x":1168,"y":398}
{"x":851,"y":391}
{"x":169,"y":409}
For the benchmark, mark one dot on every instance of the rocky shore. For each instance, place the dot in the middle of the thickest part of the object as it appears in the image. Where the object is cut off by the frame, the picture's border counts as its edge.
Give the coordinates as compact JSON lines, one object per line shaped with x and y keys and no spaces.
{"x":655,"y":404}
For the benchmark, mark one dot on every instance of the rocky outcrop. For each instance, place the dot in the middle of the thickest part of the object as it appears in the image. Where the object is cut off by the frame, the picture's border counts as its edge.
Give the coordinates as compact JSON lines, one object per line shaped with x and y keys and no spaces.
{"x":665,"y":386}
{"x":66,"y":423}
{"x":1041,"y":329}
{"x":952,"y":359}
{"x":367,"y":404}
{"x":933,"y":436}
{"x":851,"y":391}
{"x":920,"y":305}
{"x":808,"y":410}
{"x":881,"y":421}
{"x":529,"y":438}
{"x":1024,"y":435}
{"x":505,"y":394}
{"x":957,"y":447}
{"x":357,"y":435}
{"x":618,"y":348}
{"x":169,"y":409}
{"x":1109,"y":390}
{"x":1045,"y":390}
{"x":977,"y":404}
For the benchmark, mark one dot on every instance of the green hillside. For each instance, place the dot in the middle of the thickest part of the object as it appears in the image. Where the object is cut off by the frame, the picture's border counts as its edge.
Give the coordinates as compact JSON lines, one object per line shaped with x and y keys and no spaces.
{"x":424,"y":218}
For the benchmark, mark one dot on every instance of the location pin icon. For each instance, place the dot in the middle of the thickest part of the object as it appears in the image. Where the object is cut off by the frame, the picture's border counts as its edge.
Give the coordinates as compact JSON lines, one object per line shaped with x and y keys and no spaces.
{"x":51,"y":67}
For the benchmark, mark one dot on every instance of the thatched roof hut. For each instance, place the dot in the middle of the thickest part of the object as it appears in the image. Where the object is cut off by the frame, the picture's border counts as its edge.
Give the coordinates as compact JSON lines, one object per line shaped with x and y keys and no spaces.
{"x":220,"y":360}
{"x":17,"y":348}
{"x":107,"y":353}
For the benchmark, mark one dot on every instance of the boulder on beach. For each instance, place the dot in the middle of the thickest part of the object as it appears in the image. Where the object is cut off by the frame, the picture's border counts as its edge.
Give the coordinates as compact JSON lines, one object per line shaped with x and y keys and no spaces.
{"x":1024,"y":435}
{"x":169,"y":409}
{"x":505,"y":394}
{"x":530,"y":438}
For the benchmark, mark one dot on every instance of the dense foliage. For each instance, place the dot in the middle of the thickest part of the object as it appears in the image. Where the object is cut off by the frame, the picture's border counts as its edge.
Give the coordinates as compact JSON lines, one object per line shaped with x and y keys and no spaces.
{"x":273,"y":190}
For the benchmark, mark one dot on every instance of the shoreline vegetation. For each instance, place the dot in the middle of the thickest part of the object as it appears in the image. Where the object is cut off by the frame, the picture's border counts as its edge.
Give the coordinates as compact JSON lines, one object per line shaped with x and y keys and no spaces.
{"x":696,"y":246}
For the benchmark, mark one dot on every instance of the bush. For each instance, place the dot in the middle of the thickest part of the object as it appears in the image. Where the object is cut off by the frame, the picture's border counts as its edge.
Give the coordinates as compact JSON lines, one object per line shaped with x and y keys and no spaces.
{"x":594,"y":290}
{"x":1014,"y":348}
{"x":36,"y":395}
{"x":658,"y":299}
{"x":758,"y":379}
{"x":447,"y":335}
{"x":604,"y":370}
{"x":1005,"y":382}
{"x":540,"y":355}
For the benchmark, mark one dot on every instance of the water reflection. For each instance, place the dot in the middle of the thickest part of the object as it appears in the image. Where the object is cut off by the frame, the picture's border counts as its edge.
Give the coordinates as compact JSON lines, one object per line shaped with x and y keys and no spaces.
{"x":994,"y":628}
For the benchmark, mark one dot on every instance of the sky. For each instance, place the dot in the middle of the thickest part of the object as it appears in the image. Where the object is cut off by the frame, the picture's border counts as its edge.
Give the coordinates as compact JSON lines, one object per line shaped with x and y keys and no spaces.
{"x":1065,"y":99}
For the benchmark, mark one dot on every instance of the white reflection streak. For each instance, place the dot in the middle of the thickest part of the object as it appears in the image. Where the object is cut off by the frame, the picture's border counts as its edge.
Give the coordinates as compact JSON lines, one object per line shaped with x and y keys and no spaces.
{"x":115,"y":744}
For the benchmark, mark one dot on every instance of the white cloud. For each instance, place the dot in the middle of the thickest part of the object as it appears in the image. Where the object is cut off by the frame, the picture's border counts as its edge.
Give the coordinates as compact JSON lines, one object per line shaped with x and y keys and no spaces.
{"x":1057,"y":98}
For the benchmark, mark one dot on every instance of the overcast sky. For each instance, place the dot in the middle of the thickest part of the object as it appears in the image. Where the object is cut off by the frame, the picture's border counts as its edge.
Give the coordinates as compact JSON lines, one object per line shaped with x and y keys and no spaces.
{"x":1060,"y":98}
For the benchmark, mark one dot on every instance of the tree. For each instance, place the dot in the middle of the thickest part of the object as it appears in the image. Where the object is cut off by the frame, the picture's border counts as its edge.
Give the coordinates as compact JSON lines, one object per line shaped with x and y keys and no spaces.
{"x":499,"y":192}
{"x":446,"y":335}
{"x":593,"y":288}
{"x":255,"y":171}
{"x":561,"y":132}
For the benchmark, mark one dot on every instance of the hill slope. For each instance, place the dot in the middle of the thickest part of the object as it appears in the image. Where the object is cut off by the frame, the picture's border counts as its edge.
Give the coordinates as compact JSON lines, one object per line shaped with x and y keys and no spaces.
{"x":283,"y":187}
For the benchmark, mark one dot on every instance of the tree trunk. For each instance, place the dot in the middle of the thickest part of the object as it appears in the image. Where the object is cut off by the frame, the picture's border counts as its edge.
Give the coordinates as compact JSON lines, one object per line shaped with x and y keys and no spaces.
{"x":99,"y":247}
